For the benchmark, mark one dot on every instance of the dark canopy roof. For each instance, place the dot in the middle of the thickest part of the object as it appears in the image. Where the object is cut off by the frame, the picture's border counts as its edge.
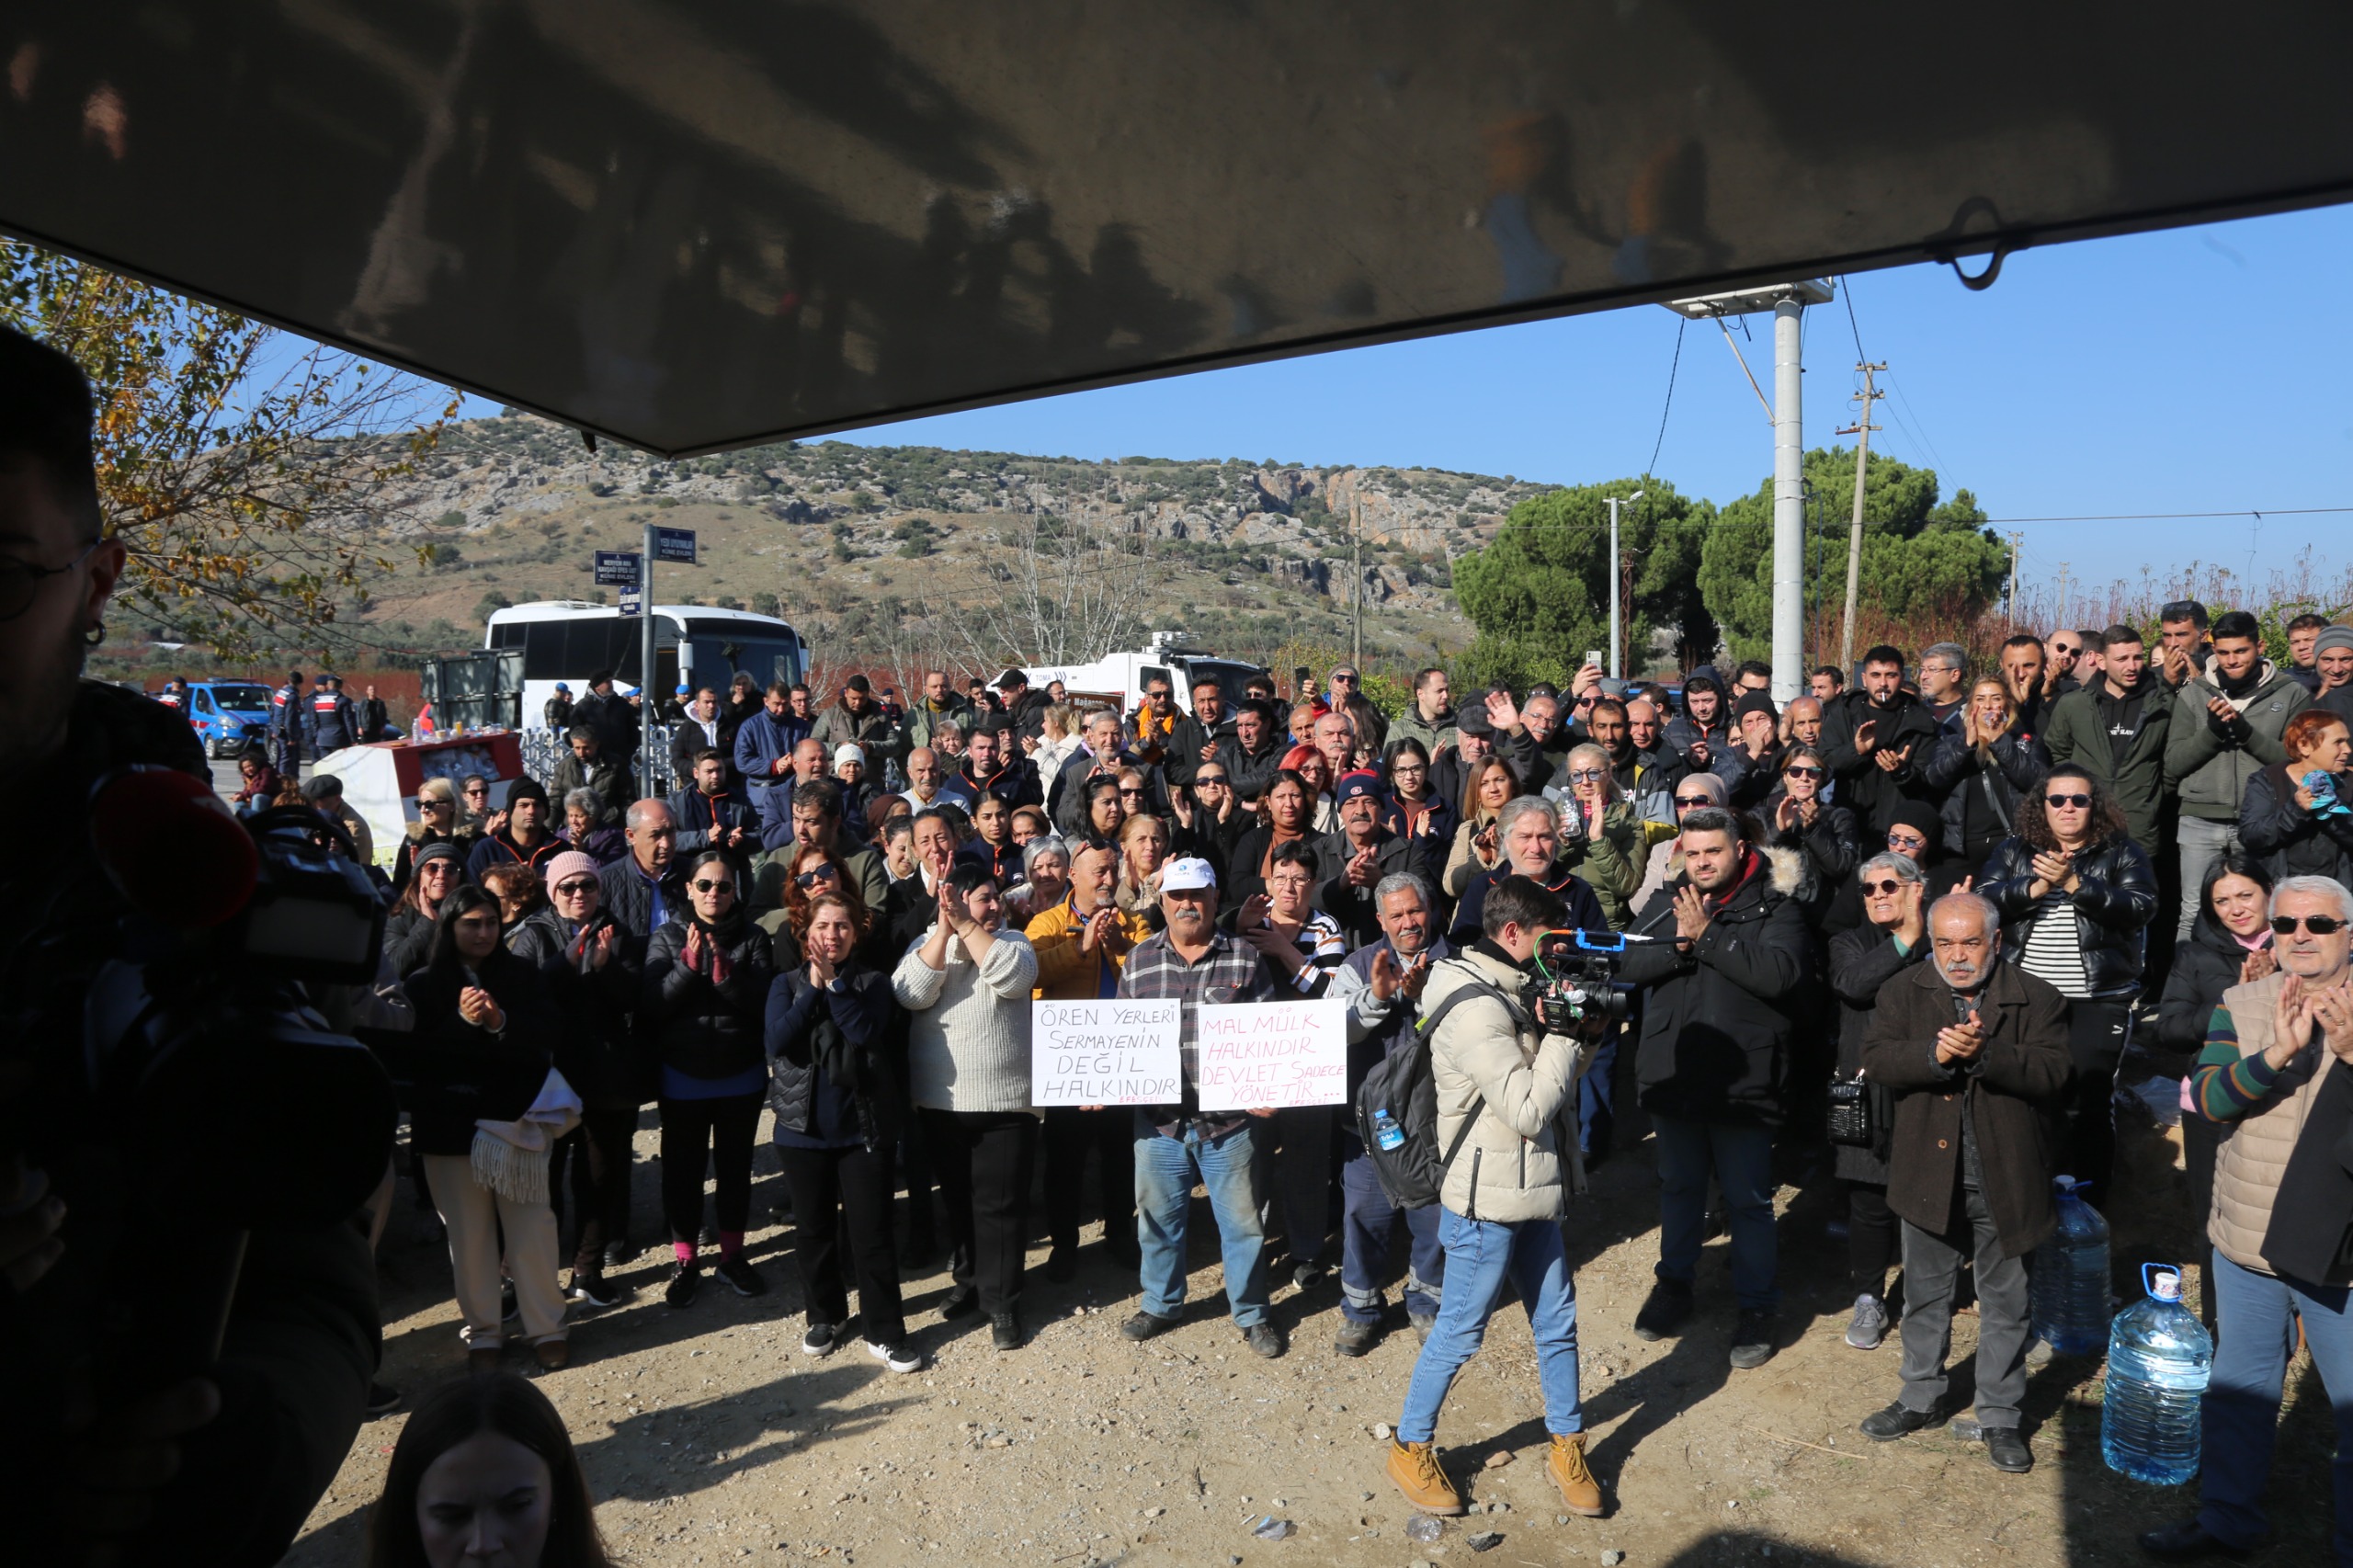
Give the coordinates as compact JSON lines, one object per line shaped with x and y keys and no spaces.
{"x":689,"y":224}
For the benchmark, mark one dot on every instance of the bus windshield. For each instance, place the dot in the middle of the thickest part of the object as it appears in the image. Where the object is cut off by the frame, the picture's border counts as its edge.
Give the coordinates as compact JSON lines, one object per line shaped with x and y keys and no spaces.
{"x":722,"y":651}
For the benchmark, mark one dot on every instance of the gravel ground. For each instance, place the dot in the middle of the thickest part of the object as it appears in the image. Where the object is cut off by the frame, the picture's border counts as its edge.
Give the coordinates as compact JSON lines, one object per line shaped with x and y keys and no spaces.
{"x":707,"y":1437}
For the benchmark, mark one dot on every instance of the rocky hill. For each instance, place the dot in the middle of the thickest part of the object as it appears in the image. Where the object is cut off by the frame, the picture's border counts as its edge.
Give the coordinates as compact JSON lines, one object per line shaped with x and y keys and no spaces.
{"x":889,"y":554}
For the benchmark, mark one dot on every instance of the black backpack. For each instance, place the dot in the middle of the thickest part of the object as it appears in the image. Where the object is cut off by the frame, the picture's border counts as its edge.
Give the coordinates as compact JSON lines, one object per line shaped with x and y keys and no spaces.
{"x":1401,"y":1084}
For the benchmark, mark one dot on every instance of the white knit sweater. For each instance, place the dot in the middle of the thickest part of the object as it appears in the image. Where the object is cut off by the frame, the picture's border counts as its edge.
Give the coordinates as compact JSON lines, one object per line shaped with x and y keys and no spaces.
{"x":967,"y":1030}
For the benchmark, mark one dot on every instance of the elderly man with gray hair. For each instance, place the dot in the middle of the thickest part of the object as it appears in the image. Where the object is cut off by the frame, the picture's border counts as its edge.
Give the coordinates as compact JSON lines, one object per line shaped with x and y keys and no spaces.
{"x":1975,"y":1053}
{"x":1382,"y":985}
{"x":2278,"y":1074}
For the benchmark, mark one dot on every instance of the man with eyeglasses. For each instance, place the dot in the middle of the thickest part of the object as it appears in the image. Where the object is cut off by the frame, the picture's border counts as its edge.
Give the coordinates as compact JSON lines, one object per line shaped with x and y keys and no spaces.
{"x":2274,"y":1071}
{"x":642,"y":889}
{"x":1974,"y":1050}
{"x":1944,"y":678}
{"x":1152,"y":725}
{"x":301,"y":1338}
{"x":1193,"y":742}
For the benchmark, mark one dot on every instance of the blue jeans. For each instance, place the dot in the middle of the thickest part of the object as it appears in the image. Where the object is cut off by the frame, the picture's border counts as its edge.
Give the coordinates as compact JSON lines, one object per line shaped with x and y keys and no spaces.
{"x":1480,"y":1256}
{"x":1368,"y":1225}
{"x":2242,"y":1407}
{"x":1742,"y":1159}
{"x":1166,"y":1170}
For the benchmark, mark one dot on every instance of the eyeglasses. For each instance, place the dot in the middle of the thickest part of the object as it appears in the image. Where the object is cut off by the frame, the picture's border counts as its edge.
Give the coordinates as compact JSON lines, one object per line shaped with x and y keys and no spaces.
{"x":1690,"y":802}
{"x":476,"y":791}
{"x":1907,"y":844}
{"x":576,"y":888}
{"x":1131,"y":794}
{"x":1588,"y":775}
{"x":2318,"y":925}
{"x":1883,"y":889}
{"x":431,"y":805}
{"x":21,"y":581}
{"x":2080,"y":802}
{"x":1802,"y":770}
{"x":1402,"y":768}
{"x":705,"y":884}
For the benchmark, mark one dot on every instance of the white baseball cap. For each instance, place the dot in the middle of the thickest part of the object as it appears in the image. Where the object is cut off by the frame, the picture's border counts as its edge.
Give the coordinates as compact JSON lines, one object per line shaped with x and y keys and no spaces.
{"x":1187,"y":875}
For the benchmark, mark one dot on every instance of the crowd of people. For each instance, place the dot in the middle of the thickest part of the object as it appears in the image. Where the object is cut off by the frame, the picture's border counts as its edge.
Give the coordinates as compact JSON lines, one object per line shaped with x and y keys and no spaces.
{"x":1902,"y":936}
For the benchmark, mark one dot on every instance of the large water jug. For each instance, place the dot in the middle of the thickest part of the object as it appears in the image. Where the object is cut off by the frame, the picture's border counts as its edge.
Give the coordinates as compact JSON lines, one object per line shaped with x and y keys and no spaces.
{"x":2159,"y":1356}
{"x":2070,"y":1278}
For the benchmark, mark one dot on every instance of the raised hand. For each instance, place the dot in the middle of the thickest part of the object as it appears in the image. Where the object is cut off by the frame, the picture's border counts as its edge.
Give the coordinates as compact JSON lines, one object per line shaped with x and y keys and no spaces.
{"x":1691,"y":917}
{"x":1960,"y":1042}
{"x":1386,"y":980}
{"x":2292,"y":1018}
{"x":2256,"y":965}
{"x":1502,"y":712}
{"x":1866,"y":737}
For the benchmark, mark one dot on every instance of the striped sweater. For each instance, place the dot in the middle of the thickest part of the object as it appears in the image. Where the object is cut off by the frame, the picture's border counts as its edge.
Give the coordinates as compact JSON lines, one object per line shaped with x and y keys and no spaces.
{"x":2226,"y":1084}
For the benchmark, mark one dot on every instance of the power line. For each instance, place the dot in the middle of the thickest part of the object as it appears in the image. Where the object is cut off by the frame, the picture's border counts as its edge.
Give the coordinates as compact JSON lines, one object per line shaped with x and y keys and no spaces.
{"x":2171,"y":516}
{"x":1673,"y":366}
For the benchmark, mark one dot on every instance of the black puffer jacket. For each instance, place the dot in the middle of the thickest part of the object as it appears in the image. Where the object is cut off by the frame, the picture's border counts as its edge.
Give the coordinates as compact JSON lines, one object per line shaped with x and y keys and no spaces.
{"x":2203,"y":968}
{"x":861,"y":1027}
{"x":408,"y":940}
{"x":1718,"y":1022}
{"x":2293,"y":841}
{"x":594,"y":1047}
{"x":1861,"y":961}
{"x":524,"y":1044}
{"x":2115,"y":899}
{"x":1981,"y":797}
{"x":1830,"y":849}
{"x":703,"y":1029}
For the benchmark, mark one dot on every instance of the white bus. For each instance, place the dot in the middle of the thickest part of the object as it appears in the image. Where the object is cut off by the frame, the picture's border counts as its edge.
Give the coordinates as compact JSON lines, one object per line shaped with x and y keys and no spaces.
{"x":570,"y":640}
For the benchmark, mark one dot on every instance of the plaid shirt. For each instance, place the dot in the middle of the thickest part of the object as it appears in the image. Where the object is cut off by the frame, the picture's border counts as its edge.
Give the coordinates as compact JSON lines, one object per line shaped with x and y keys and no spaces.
{"x":1231,"y":970}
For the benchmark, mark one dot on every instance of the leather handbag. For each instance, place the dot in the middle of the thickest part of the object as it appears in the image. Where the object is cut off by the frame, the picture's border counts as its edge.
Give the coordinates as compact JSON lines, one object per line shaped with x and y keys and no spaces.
{"x":1850,"y":1120}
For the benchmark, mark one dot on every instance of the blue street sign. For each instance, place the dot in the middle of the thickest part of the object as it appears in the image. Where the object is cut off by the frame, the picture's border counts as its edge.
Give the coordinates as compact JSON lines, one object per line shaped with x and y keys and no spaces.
{"x":633,"y":599}
{"x":675,"y":544}
{"x":616,"y":569}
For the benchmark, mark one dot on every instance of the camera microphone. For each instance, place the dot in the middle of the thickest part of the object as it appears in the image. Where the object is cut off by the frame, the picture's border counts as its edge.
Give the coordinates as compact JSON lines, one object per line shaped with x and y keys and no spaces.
{"x":172,"y":848}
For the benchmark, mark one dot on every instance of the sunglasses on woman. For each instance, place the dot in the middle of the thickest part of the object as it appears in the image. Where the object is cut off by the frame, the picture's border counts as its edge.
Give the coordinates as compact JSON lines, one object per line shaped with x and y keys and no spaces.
{"x":1883,"y":889}
{"x":706,"y":885}
{"x":1692,"y":802}
{"x":434,"y":805}
{"x":1201,"y":779}
{"x":1804,"y":770}
{"x":2318,"y":925}
{"x":811,"y":879}
{"x":1128,"y":795}
{"x":2080,"y":802}
{"x":579,"y":887}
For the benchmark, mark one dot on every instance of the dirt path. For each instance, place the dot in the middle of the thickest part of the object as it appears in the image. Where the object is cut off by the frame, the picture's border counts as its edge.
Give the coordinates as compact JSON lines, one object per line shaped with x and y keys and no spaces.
{"x":709,"y":1437}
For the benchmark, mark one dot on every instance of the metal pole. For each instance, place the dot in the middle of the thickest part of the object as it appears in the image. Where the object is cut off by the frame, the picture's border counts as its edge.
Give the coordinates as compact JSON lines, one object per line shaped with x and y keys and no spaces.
{"x":647,"y":704}
{"x":1789,"y":507}
{"x":1863,"y":429}
{"x":1616,"y":671}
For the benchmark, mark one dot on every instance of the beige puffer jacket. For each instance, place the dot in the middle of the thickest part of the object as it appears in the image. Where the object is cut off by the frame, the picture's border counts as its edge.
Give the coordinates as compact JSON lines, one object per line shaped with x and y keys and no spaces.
{"x":2256,"y":1148}
{"x":1520,"y":1161}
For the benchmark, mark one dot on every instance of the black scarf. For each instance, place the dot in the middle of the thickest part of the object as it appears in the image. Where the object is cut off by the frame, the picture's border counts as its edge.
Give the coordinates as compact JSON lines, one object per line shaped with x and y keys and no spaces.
{"x":2311,"y":1217}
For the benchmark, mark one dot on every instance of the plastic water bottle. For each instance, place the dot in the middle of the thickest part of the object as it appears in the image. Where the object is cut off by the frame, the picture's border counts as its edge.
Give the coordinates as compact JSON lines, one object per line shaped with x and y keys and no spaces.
{"x":1386,"y":1131}
{"x":2159,"y":1356}
{"x":2070,"y":1290}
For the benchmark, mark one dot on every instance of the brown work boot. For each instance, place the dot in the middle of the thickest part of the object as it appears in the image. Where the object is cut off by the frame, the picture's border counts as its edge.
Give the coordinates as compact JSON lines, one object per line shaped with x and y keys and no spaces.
{"x":1580,"y":1494}
{"x":553,"y":1355}
{"x":1413,"y":1466}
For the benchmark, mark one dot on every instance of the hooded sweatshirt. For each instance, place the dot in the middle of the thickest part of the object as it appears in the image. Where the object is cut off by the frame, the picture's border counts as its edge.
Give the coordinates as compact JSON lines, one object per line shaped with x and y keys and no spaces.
{"x":2211,"y":760}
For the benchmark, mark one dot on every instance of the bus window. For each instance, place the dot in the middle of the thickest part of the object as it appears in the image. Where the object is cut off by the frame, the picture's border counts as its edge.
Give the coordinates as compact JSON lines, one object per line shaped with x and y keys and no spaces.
{"x":718,"y":657}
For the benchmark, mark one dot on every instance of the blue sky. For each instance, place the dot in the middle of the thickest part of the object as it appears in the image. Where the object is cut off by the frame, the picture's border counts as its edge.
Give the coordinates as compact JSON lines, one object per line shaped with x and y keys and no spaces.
{"x":2192,"y":371}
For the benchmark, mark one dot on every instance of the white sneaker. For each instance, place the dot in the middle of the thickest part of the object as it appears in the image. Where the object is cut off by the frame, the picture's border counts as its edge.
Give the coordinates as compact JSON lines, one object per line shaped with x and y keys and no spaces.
{"x":896,"y":1358}
{"x":1868,"y":1329}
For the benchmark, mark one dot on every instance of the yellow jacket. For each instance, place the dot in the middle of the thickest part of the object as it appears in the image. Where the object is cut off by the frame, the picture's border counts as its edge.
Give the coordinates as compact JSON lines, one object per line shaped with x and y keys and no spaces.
{"x":1064,"y":972}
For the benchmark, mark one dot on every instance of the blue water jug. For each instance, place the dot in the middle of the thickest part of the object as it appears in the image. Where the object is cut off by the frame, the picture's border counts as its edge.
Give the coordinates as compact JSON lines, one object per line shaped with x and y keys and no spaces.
{"x":2159,"y":1356}
{"x":2070,"y":1278}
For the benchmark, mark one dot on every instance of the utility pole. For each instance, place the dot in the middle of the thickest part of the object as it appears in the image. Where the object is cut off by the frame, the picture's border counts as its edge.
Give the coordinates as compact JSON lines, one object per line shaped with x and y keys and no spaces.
{"x":1356,"y":575}
{"x":1861,"y":430}
{"x":2017,"y":538}
{"x":1616,"y":638}
{"x":648,"y":705}
{"x":2063,"y":597}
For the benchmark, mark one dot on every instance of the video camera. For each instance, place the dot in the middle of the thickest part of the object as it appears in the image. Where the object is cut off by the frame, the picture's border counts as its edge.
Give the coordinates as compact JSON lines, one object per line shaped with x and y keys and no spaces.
{"x":1574,"y":988}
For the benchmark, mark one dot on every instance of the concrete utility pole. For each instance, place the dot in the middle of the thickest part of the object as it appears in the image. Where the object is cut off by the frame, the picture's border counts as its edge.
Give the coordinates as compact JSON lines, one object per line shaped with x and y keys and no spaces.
{"x":1787,"y":302}
{"x":2063,"y":597}
{"x":647,"y":704}
{"x":1861,"y":430}
{"x":2017,"y":538}
{"x":1616,"y":638}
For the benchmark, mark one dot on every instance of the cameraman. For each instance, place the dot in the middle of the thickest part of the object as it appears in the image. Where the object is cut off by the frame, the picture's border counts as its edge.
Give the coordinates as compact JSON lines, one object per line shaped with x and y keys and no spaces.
{"x":1504,"y":1190}
{"x":233,"y":1459}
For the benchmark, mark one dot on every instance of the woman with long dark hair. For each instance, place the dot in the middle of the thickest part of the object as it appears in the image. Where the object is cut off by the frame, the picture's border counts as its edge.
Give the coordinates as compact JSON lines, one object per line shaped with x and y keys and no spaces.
{"x":836,"y":1045}
{"x":484,"y":1472}
{"x":1982,"y":766}
{"x":2230,"y":945}
{"x":2076,"y":896}
{"x":704,"y":1004}
{"x":1288,"y":816}
{"x":1486,"y":785}
{"x":489,"y":1178}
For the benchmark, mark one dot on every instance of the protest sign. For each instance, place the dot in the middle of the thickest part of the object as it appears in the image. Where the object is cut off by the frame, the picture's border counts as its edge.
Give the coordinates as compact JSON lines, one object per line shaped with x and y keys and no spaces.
{"x":1273,"y":1053}
{"x":1108,"y":1053}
